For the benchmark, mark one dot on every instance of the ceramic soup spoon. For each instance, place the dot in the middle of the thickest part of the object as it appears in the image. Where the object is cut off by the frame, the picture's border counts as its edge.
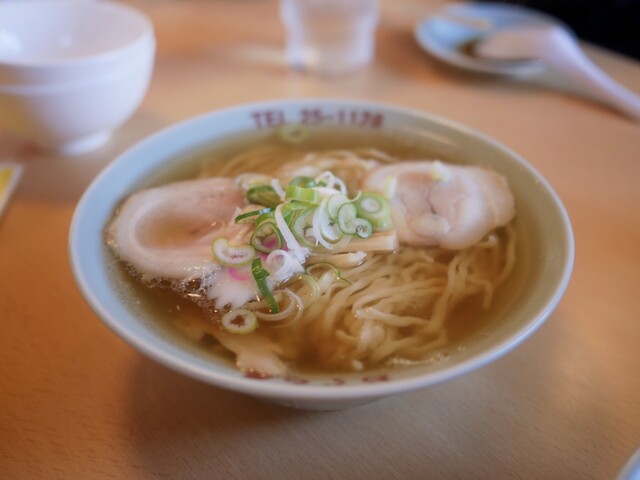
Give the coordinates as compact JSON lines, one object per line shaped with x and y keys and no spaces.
{"x":560,"y":53}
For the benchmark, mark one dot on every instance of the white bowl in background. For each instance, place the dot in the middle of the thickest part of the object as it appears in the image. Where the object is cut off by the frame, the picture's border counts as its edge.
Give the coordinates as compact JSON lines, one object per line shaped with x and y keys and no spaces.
{"x":72,"y":72}
{"x":537,"y":282}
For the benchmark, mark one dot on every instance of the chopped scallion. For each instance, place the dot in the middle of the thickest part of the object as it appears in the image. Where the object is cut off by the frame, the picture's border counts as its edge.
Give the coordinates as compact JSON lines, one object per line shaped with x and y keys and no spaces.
{"x":263,"y":195}
{"x":374,"y":208}
{"x":260,"y":275}
{"x":334,"y":203}
{"x":231,"y":255}
{"x":301,"y":194}
{"x":364,"y":229}
{"x":347,"y":213}
{"x":293,"y":133}
{"x":306,"y":182}
{"x":248,"y":217}
{"x":266,"y":237}
{"x":240,"y":321}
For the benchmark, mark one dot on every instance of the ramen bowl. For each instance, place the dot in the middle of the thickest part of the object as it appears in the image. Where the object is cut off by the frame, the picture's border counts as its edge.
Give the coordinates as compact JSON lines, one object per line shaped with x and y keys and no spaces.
{"x":71,"y":72}
{"x":544,"y":254}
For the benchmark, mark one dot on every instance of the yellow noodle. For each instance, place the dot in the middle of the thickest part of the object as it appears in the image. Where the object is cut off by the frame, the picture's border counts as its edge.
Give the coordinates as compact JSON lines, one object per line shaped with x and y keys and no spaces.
{"x":395,"y":309}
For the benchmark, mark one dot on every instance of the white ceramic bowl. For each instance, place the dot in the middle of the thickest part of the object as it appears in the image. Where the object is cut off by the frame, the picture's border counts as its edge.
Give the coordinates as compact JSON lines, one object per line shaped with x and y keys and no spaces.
{"x":543,"y":269}
{"x":71,"y":72}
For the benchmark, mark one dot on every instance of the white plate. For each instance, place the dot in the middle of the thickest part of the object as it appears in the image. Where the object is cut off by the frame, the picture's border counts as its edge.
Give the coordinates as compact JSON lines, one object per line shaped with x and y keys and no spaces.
{"x":447,"y":34}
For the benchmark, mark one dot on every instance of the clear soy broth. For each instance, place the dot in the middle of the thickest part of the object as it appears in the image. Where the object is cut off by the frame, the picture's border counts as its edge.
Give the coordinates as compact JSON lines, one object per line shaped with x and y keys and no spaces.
{"x":161,"y":306}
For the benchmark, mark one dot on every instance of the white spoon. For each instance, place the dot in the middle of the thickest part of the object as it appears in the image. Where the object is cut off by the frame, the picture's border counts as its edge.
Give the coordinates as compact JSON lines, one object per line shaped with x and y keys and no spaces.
{"x":560,"y":53}
{"x":450,"y":33}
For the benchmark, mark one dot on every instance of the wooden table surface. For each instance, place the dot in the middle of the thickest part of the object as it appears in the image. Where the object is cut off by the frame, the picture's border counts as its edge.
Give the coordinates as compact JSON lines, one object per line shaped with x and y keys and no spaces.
{"x":77,"y":402}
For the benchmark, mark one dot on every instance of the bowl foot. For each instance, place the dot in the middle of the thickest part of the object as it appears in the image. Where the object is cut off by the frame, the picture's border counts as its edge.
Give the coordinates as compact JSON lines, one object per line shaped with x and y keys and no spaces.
{"x":83,"y":145}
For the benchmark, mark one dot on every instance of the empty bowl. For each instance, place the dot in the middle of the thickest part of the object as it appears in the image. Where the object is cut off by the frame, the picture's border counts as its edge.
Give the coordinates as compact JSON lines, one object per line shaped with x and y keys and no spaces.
{"x":72,"y":72}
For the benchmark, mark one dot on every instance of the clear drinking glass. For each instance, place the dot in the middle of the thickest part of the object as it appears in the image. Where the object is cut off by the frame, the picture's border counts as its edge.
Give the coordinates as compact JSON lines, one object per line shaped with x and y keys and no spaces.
{"x":329,"y":37}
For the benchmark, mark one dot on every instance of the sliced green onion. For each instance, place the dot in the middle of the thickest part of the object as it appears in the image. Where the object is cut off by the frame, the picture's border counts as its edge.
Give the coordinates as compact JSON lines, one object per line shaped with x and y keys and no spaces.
{"x":290,"y":239}
{"x":339,"y":283}
{"x":281,"y":265}
{"x":251,"y":216}
{"x":308,"y":291}
{"x":290,"y":303}
{"x":302,"y":222}
{"x":326,"y":179}
{"x":263,"y":195}
{"x":293,"y":208}
{"x":266,"y":216}
{"x":340,"y":185}
{"x":240,"y":320}
{"x":275,"y":184}
{"x":326,"y":274}
{"x":260,"y":275}
{"x":257,"y":270}
{"x":294,"y":205}
{"x":374,"y":208}
{"x":382,"y":224}
{"x":231,"y":255}
{"x":303,"y":181}
{"x":301,"y":194}
{"x":334,"y":203}
{"x":364,"y":229}
{"x":325,"y":231}
{"x":370,"y":203}
{"x":266,"y":237}
{"x":293,"y":133}
{"x":346,"y":216}
{"x":330,"y":231}
{"x":318,"y":268}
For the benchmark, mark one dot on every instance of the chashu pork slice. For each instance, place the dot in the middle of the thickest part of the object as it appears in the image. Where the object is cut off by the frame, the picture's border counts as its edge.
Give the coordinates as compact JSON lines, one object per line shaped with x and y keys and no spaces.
{"x":437,"y":204}
{"x":166,"y":232}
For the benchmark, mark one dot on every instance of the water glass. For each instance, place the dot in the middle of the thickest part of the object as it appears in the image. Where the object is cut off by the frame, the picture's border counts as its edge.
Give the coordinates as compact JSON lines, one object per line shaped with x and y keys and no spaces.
{"x":329,"y":37}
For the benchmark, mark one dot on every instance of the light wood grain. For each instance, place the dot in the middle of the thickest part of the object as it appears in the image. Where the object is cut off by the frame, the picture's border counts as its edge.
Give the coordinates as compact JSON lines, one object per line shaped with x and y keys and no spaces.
{"x":76,"y":402}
